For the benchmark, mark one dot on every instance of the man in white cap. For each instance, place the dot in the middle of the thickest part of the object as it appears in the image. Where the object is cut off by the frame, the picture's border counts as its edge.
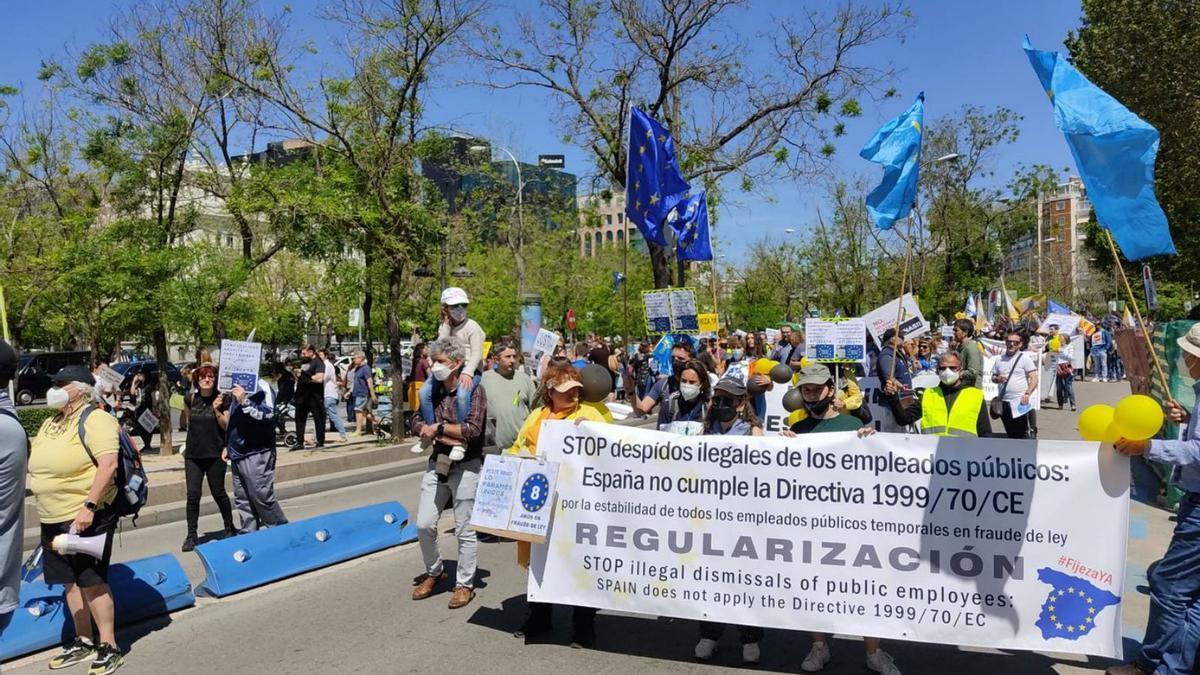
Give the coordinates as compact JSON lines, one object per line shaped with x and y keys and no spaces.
{"x":467,"y":333}
{"x":1172,"y":636}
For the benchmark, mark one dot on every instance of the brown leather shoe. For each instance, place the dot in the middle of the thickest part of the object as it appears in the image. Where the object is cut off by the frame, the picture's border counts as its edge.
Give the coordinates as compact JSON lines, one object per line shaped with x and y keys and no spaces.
{"x":462,"y":597}
{"x":1127,"y":669}
{"x":425,"y":585}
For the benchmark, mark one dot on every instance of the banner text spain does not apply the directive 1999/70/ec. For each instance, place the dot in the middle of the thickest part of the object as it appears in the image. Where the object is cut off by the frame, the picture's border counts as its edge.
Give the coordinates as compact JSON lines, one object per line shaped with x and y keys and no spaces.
{"x":981,"y":542}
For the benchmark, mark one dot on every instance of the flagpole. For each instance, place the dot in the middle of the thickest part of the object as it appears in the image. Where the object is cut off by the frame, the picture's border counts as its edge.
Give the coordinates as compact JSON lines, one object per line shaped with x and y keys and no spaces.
{"x":1138,"y":312}
{"x":900,"y":297}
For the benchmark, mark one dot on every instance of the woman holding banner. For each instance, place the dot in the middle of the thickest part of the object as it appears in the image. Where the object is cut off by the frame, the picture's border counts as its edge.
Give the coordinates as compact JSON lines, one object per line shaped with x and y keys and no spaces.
{"x":730,"y":414}
{"x":559,"y":394}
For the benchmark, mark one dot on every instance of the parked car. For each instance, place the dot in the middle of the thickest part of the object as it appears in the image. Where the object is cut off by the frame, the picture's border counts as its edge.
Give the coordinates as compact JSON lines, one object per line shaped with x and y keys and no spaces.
{"x":34,"y":371}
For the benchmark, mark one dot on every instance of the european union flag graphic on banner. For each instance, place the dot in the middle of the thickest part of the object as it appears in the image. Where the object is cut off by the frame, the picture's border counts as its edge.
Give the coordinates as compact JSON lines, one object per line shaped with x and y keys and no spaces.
{"x":1072,"y":606}
{"x":689,"y":219}
{"x":653,"y":181}
{"x":897,"y":146}
{"x":1057,"y":308}
{"x":1114,"y":151}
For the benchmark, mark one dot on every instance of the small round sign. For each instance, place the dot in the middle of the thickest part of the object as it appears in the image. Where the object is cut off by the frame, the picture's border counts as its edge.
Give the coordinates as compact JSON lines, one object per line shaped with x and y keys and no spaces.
{"x":535,"y":492}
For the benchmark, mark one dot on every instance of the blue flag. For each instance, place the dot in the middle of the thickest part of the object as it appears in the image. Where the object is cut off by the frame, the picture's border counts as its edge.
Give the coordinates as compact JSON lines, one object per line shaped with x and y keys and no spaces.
{"x":897,"y":146}
{"x":1054,"y":307}
{"x":969,"y":308}
{"x":618,"y":279}
{"x":653,"y":181}
{"x":1114,"y":151}
{"x":689,"y":219}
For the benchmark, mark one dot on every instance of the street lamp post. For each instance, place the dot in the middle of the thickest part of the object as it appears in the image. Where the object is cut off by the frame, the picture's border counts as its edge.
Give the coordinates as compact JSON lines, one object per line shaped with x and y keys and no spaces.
{"x":520,"y":206}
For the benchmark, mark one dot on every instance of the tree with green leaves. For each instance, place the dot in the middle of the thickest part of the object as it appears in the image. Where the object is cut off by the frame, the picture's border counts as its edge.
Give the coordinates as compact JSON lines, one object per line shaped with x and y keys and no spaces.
{"x":364,"y":129}
{"x":676,"y":60}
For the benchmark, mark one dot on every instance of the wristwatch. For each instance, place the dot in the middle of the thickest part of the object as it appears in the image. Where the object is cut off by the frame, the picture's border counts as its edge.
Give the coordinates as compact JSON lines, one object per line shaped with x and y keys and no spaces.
{"x":90,"y":506}
{"x":441,"y":429}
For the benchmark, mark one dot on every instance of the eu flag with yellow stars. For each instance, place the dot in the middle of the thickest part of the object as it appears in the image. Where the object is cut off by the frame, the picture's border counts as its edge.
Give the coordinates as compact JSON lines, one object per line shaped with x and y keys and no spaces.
{"x":1114,"y":150}
{"x":1071,"y":608}
{"x":897,"y":146}
{"x":689,"y":220}
{"x":653,"y":180}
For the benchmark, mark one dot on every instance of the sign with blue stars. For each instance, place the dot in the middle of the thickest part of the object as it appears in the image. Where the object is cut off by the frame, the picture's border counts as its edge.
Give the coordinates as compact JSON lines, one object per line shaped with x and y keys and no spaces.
{"x":1071,"y":608}
{"x":534,"y":492}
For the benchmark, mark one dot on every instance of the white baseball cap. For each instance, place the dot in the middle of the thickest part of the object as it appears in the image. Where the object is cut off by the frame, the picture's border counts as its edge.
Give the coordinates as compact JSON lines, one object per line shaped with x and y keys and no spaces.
{"x":1190,"y":342}
{"x":454,"y":296}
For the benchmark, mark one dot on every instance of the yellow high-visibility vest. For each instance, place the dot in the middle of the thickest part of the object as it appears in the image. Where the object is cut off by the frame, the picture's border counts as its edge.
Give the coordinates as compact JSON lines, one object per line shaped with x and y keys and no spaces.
{"x":961,"y":420}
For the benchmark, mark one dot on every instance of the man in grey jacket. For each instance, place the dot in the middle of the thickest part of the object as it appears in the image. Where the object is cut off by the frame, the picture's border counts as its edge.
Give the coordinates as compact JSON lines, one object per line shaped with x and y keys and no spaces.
{"x":14,"y":449}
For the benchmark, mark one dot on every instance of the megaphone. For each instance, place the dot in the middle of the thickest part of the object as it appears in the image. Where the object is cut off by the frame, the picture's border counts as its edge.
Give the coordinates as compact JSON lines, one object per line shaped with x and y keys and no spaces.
{"x":70,"y":544}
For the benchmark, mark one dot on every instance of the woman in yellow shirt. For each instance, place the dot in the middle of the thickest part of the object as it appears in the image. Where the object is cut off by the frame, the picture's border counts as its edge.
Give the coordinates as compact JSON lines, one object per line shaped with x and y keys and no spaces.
{"x":73,"y":483}
{"x":559,"y":395}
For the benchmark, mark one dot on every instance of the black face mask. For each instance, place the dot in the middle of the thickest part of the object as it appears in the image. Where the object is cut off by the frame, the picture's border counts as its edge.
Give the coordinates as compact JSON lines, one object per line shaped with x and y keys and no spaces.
{"x":677,"y":367}
{"x":818,"y":408}
{"x":724,"y":409}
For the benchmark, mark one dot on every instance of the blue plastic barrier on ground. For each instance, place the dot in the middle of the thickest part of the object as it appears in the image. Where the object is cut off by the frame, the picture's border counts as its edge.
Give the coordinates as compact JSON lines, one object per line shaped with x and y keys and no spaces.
{"x":245,"y":561}
{"x":141,"y":589}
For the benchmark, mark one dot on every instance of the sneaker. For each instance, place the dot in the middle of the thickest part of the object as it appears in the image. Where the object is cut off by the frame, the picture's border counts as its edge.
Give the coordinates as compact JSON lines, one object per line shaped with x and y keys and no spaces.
{"x":750,"y":653}
{"x":108,"y":659}
{"x":705,"y":649}
{"x":344,"y":439}
{"x":881,"y":662}
{"x":818,"y":657}
{"x":422,"y":447}
{"x":1096,"y":379}
{"x":78,"y":651}
{"x":189,"y":543}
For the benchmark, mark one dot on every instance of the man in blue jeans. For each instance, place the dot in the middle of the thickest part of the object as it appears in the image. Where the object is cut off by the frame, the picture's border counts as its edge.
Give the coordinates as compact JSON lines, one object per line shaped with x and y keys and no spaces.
{"x":1173,"y":630}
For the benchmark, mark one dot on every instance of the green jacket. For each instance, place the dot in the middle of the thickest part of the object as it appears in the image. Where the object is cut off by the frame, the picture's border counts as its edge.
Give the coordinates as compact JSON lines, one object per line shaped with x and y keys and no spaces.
{"x":970,"y":352}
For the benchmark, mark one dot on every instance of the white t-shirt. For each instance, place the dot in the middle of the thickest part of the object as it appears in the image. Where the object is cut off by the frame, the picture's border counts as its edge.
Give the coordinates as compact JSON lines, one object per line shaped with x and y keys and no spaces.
{"x":331,"y":381}
{"x":1018,"y":382}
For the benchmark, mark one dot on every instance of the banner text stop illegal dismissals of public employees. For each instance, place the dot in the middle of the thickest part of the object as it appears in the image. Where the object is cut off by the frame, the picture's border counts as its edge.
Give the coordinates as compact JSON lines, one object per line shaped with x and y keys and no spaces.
{"x":982,"y":542}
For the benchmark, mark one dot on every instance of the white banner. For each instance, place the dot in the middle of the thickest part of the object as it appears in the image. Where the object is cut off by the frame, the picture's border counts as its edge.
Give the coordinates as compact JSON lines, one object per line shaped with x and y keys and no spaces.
{"x":239,"y":365}
{"x":835,"y":340}
{"x":981,"y":542}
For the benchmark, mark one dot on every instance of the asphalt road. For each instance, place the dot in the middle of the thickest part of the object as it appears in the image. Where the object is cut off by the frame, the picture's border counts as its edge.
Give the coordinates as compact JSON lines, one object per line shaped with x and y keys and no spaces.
{"x":358,"y":617}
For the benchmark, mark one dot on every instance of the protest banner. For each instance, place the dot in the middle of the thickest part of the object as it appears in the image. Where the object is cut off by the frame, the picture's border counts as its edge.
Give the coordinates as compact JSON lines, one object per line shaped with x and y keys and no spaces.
{"x":835,"y":340}
{"x":772,"y":335}
{"x":956,"y":541}
{"x":709,"y":323}
{"x":515,"y":497}
{"x":110,"y":376}
{"x":148,"y":421}
{"x":683,"y":310}
{"x":657,"y":305}
{"x":239,"y":365}
{"x":912,"y":323}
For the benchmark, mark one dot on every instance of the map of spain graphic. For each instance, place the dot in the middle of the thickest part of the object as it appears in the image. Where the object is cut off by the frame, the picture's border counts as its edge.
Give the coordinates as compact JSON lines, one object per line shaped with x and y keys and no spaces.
{"x":1072,"y":606}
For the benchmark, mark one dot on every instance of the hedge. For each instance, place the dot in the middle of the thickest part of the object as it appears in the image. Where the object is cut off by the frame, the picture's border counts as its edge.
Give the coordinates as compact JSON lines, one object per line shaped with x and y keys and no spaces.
{"x":32,"y":418}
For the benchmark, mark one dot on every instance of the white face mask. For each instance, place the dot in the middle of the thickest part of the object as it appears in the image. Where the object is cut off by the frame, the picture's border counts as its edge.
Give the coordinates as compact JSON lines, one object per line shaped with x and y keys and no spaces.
{"x":57,"y":398}
{"x":440,"y":371}
{"x":689,"y":392}
{"x":948,"y":376}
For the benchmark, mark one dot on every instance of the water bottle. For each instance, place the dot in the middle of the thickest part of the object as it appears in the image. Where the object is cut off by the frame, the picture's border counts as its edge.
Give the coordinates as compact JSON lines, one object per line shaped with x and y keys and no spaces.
{"x":131,"y":488}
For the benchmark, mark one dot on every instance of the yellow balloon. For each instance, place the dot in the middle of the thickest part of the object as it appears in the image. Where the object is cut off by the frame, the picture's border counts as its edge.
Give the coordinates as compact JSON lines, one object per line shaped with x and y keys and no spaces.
{"x":1112,"y":434}
{"x":1094,"y":422}
{"x":1138,"y":417}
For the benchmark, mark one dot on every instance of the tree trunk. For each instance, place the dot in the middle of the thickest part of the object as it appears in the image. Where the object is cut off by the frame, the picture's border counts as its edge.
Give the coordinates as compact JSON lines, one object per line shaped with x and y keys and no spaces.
{"x":368,"y":301}
{"x":394,"y":337}
{"x":660,"y":263}
{"x":166,"y":447}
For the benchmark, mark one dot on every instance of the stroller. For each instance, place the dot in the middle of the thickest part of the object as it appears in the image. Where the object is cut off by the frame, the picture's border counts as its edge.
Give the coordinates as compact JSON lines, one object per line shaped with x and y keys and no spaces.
{"x":285,"y":425}
{"x":383,"y":417}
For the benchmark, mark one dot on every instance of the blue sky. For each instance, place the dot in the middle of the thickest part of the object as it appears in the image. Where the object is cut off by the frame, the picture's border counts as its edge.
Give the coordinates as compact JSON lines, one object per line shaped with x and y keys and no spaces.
{"x":958,"y":51}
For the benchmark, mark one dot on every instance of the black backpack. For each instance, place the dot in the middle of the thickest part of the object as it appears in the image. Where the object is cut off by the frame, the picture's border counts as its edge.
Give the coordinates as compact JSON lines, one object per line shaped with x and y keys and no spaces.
{"x":133,"y":490}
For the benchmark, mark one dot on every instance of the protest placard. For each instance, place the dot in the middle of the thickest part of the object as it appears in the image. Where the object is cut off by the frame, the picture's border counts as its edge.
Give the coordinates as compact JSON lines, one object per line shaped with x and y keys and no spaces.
{"x":835,"y":340}
{"x":110,"y":376}
{"x":683,"y":311}
{"x":515,"y":497}
{"x":544,"y":343}
{"x":657,"y":305}
{"x":952,"y":541}
{"x":912,"y":323}
{"x":709,"y":323}
{"x":239,"y":365}
{"x":1067,"y":323}
{"x":148,"y":421}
